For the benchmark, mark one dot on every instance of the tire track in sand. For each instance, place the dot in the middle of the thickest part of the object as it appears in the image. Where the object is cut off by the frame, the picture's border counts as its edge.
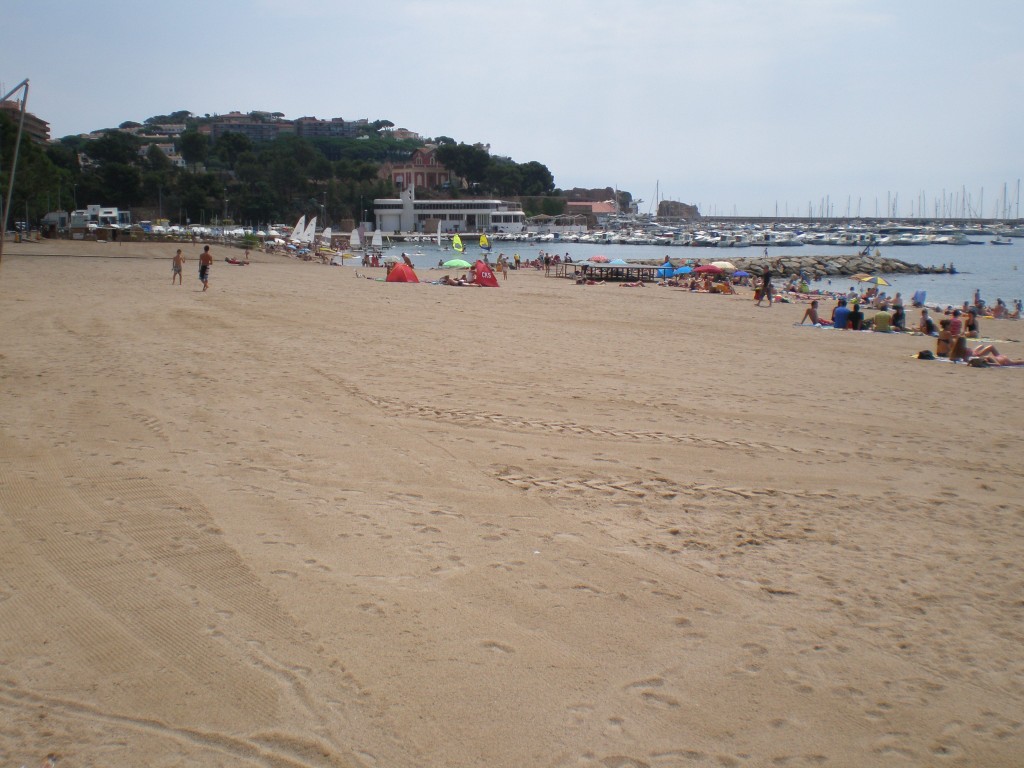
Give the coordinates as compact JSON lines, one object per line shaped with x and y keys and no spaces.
{"x":274,"y":750}
{"x":569,"y":428}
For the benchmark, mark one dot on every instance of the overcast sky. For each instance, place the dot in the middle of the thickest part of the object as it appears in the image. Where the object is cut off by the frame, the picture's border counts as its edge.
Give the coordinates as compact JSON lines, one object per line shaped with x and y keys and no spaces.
{"x":734,"y":105}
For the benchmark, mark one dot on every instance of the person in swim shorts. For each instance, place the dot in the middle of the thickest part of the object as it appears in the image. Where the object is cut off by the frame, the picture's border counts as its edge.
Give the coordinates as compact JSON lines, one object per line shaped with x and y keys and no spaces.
{"x":205,"y":261}
{"x":177,"y":263}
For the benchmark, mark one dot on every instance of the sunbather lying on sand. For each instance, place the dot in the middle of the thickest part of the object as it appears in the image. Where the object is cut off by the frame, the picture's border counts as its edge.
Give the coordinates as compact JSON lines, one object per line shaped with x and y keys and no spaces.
{"x":991,"y":355}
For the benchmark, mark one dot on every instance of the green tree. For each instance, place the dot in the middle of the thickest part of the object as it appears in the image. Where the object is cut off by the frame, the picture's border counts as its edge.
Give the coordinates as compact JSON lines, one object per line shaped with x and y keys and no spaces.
{"x":156,"y":160}
{"x":175,"y":118}
{"x":194,"y":147}
{"x":230,"y":145}
{"x":199,"y":194}
{"x":122,"y":184}
{"x":505,"y":178}
{"x":63,"y":156}
{"x":114,"y":147}
{"x":468,"y":162}
{"x":321,"y":169}
{"x":249,"y":168}
{"x":37,"y":180}
{"x":536,"y":179}
{"x":258,"y":202}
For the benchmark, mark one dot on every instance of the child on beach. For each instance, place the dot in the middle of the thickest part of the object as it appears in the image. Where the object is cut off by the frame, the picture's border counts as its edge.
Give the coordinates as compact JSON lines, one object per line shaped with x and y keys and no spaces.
{"x":176,"y":266}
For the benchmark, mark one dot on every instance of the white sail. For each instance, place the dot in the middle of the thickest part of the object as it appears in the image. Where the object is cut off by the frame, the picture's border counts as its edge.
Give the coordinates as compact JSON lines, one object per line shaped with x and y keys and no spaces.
{"x":299,"y":229}
{"x":354,"y":243}
{"x":310,"y":233}
{"x":439,"y":235}
{"x":325,"y":238}
{"x":378,"y":240}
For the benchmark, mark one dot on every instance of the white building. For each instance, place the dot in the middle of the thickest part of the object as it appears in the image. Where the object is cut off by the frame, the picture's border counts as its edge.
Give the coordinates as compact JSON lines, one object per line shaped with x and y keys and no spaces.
{"x":407,"y":214}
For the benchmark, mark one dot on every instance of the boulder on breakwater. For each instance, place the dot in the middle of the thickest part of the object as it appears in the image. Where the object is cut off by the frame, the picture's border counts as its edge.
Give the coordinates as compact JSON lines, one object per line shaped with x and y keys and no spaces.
{"x":825,"y":266}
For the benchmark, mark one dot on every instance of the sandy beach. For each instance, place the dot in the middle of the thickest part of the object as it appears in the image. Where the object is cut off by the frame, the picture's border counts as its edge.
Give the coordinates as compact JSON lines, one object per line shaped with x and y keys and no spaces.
{"x":307,"y":519}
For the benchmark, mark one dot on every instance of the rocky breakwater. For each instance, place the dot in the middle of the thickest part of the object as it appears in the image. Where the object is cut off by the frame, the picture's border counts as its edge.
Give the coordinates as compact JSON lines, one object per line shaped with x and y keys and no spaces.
{"x":823,"y":266}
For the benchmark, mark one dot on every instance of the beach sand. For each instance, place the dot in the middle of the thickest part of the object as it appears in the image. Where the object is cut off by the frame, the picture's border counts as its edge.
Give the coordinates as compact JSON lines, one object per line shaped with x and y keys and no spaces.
{"x":306,"y":519}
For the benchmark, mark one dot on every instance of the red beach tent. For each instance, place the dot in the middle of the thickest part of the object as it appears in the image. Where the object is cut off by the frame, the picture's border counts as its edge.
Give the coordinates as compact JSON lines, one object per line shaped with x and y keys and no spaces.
{"x":402,"y":273}
{"x":484,"y":275}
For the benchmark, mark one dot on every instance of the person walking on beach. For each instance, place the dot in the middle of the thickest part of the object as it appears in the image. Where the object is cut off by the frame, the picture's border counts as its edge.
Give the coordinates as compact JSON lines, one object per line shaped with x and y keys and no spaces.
{"x":205,"y":261}
{"x":766,"y":287}
{"x":177,"y":264}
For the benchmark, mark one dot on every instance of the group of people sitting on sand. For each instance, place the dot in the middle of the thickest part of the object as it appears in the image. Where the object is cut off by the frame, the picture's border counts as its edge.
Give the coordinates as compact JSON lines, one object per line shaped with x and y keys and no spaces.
{"x":1000,"y":311}
{"x":951,"y":335}
{"x":892,"y":318}
{"x":700,"y":284}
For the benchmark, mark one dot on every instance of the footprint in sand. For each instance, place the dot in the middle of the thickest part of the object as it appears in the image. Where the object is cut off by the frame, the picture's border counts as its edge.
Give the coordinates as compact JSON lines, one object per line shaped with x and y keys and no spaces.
{"x":622,"y":761}
{"x":494,"y":645}
{"x":659,"y":700}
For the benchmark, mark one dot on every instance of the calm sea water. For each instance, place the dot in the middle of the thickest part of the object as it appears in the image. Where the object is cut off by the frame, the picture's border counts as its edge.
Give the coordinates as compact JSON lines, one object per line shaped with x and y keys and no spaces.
{"x":996,"y":270}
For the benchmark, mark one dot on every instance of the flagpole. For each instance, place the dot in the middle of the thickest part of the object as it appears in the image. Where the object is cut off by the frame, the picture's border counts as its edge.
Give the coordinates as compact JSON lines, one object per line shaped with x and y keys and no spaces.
{"x":14,"y":162}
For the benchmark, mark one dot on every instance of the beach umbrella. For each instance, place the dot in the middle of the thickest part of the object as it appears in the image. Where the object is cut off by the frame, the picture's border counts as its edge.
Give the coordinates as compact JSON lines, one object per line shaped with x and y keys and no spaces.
{"x":725,"y":266}
{"x":457,"y":264}
{"x":599,"y":259}
{"x":860,"y":276}
{"x":708,"y":269}
{"x":741,"y":273}
{"x":665,"y":270}
{"x":390,"y":259}
{"x":874,"y":280}
{"x":684,"y":270}
{"x":618,"y":263}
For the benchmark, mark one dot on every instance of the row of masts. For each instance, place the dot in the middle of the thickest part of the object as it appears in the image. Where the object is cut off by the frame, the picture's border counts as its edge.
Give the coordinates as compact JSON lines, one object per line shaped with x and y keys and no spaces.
{"x":957,"y":204}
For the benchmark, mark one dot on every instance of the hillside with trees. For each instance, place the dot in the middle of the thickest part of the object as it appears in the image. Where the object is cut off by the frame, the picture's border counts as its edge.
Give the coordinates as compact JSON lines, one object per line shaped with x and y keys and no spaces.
{"x":236,"y":179}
